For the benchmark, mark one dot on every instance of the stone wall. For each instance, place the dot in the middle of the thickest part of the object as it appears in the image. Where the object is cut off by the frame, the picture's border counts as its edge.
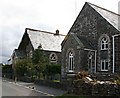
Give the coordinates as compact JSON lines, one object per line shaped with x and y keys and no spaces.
{"x":80,"y":87}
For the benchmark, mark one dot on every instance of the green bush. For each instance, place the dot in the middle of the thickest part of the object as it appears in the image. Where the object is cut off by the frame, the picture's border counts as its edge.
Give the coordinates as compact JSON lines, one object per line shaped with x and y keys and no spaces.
{"x":23,"y":67}
{"x":52,"y":70}
{"x":39,"y":60}
{"x":7,"y":69}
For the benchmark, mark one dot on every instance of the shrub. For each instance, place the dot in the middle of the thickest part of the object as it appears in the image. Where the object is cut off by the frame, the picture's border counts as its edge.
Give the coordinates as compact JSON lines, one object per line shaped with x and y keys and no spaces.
{"x":23,"y":67}
{"x":39,"y":60}
{"x":52,"y":70}
{"x":7,"y":69}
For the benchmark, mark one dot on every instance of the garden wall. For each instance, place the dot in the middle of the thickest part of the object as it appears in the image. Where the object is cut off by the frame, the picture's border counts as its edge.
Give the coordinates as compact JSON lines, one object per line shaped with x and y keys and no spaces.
{"x":80,"y":87}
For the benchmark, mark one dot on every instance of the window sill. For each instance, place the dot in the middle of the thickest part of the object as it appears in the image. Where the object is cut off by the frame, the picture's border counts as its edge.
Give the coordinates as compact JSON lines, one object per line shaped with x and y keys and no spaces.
{"x":103,"y":49}
{"x":70,"y":71}
{"x":104,"y":70}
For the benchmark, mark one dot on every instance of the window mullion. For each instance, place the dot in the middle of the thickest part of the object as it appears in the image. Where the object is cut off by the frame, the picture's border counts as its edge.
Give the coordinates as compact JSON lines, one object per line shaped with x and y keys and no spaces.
{"x":104,"y":44}
{"x":70,"y":62}
{"x":104,"y":64}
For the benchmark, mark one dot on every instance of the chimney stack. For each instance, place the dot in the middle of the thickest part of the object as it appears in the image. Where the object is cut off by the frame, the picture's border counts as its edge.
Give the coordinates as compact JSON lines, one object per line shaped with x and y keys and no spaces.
{"x":57,"y":32}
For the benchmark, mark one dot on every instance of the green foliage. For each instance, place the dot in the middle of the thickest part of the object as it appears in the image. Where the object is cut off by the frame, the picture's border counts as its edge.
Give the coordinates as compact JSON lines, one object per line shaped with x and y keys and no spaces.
{"x":39,"y":56}
{"x":39,"y":60}
{"x":23,"y":67}
{"x":56,"y":81}
{"x":53,"y":69}
{"x":7,"y":69}
{"x":38,"y":67}
{"x":30,"y":68}
{"x":36,"y":56}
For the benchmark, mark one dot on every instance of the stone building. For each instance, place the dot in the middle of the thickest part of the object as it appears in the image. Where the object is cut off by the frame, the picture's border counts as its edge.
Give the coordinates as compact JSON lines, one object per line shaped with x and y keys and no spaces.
{"x":32,"y":39}
{"x":17,"y":54}
{"x":92,"y":43}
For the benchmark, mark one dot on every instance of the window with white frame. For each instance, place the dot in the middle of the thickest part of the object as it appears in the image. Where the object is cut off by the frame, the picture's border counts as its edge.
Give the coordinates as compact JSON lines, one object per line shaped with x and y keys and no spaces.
{"x":71,"y":62}
{"x":104,"y":65}
{"x":53,"y":58}
{"x":104,"y":44}
{"x":90,"y":62}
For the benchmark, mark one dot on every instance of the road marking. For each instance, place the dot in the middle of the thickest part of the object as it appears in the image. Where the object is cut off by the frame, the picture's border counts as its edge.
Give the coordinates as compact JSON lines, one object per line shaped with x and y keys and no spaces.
{"x":31,"y":88}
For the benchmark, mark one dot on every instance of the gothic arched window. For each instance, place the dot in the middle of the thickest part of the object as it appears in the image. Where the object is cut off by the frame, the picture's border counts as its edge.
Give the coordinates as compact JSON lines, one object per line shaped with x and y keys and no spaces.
{"x":104,"y":44}
{"x":71,"y":62}
{"x":103,"y":56}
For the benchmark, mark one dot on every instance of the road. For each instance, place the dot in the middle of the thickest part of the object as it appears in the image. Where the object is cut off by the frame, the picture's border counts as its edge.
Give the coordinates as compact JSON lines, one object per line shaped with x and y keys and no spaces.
{"x":12,"y":89}
{"x":9,"y":88}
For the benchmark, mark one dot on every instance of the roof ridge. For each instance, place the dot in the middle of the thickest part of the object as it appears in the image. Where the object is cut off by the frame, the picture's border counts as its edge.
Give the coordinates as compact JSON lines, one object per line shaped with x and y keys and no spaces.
{"x":82,"y":37}
{"x":42,"y":31}
{"x":103,"y":8}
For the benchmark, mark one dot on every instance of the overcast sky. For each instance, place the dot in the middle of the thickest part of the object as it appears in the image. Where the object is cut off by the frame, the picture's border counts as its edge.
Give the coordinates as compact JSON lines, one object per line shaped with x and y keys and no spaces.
{"x":47,"y":15}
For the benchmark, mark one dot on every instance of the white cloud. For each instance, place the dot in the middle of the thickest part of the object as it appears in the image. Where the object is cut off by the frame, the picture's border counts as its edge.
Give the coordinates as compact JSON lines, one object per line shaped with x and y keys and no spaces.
{"x":48,"y":15}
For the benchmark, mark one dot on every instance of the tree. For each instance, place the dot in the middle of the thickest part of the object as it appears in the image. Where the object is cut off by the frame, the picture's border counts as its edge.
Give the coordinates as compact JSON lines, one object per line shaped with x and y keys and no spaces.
{"x":21,"y":67}
{"x":24,"y":68}
{"x":39,"y":59}
{"x":7,"y":70}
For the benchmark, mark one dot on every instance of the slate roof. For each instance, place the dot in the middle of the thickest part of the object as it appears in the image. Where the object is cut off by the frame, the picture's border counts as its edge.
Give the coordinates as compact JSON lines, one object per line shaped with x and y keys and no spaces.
{"x":110,"y":16}
{"x":49,"y":41}
{"x":86,"y":43}
{"x":82,"y":41}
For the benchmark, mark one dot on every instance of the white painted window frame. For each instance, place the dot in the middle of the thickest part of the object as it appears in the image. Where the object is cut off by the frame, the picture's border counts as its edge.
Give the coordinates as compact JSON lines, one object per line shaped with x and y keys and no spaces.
{"x":104,"y":43}
{"x":104,"y":61}
{"x":71,"y":62}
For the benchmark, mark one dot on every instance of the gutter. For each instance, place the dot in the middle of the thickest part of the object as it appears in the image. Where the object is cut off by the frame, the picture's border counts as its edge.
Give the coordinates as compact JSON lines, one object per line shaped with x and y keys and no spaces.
{"x":113,"y":38}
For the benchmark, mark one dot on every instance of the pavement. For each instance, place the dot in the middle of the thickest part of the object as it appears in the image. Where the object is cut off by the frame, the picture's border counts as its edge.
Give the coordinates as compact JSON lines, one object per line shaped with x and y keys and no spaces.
{"x":49,"y":91}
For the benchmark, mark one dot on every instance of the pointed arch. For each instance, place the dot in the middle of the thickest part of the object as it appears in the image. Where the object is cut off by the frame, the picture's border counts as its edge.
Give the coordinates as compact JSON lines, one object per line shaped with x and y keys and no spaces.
{"x":70,"y":60}
{"x":103,"y":42}
{"x":103,"y":52}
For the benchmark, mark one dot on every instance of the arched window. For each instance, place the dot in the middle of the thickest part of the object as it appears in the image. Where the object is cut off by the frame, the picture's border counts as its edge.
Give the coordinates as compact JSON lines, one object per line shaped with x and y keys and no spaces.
{"x":104,"y":56}
{"x":53,"y":58}
{"x":90,"y":62}
{"x":104,"y":44}
{"x":71,"y":62}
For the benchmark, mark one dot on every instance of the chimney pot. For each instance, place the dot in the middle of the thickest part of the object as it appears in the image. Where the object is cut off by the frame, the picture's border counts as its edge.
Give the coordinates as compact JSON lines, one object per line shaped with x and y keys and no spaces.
{"x":57,"y":32}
